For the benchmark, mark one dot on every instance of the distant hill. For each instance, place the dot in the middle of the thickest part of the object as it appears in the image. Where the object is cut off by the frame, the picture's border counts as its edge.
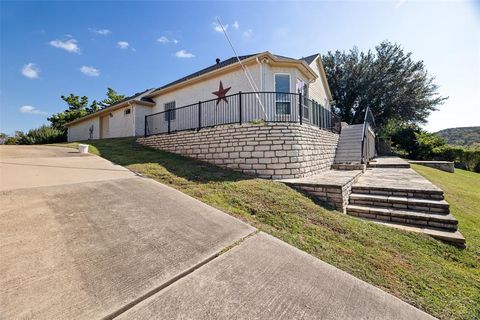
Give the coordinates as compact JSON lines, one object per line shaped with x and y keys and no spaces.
{"x":465,"y":136}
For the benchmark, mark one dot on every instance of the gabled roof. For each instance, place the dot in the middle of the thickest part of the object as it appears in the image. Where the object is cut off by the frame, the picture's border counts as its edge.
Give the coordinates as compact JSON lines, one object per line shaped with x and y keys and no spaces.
{"x":231,"y":61}
{"x":216,"y":66}
{"x":139,"y":98}
{"x":310,"y":59}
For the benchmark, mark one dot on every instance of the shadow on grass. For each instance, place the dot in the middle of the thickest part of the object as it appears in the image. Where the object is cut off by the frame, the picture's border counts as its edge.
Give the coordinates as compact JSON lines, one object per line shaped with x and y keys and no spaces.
{"x":125,"y":152}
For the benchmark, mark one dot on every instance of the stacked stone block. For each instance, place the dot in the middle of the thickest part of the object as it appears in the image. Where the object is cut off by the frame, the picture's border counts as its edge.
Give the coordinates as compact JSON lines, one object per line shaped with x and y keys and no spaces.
{"x":270,"y":150}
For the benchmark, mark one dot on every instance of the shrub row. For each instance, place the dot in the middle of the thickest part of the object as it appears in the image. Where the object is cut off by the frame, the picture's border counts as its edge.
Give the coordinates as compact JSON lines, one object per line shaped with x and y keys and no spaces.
{"x":42,"y":135}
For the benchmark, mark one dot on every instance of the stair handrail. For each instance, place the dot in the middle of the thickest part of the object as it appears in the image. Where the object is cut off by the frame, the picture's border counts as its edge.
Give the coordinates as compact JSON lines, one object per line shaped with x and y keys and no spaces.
{"x":368,"y":120}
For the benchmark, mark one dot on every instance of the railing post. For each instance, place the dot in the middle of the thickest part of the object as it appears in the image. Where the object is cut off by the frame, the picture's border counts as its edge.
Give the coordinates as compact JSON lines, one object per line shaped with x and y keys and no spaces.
{"x":169,"y":119}
{"x":199,"y":115}
{"x":300,"y":107}
{"x":240,"y":107}
{"x":145,"y":127}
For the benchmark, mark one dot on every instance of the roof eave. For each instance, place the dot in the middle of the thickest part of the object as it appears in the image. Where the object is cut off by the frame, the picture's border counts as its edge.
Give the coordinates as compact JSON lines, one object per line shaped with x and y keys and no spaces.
{"x":110,"y":109}
{"x":307,"y":70}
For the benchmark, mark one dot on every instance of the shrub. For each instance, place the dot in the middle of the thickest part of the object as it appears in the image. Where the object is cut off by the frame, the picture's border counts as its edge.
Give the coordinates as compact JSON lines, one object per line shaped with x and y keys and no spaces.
{"x":41,"y":135}
{"x":412,"y":141}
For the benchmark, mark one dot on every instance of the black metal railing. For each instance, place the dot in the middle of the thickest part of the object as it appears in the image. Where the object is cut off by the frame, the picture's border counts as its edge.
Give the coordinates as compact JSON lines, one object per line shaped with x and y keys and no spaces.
{"x":243,"y":107}
{"x":368,"y":136}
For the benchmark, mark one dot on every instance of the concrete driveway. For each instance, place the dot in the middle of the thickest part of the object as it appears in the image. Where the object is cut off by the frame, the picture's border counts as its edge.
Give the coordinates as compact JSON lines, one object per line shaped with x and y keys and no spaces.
{"x":82,"y":238}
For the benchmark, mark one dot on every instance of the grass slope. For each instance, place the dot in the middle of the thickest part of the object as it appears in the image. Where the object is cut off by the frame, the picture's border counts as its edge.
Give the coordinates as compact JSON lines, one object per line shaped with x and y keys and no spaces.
{"x":436,"y":277}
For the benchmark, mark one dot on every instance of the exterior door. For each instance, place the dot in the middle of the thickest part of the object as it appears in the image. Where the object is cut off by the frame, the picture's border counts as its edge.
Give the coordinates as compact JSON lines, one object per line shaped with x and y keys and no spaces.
{"x":104,"y":126}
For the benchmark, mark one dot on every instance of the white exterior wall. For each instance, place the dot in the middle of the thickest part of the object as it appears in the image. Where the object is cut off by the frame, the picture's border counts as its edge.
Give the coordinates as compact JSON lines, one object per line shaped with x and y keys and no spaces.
{"x":202,"y":91}
{"x":139,"y":113}
{"x":317,"y":88}
{"x":121,"y":125}
{"x":81,"y":131}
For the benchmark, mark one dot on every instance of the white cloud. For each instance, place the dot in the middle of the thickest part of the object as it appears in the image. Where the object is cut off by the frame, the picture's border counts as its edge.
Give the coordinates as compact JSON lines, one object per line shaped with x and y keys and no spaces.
{"x":400,"y":3}
{"x":218,"y":28}
{"x":123,"y":44}
{"x":30,"y":70}
{"x":90,"y":71}
{"x":184,"y":54}
{"x":31,"y":110}
{"x":103,"y":32}
{"x":248,"y":33}
{"x":70,"y":45}
{"x":236,"y":25}
{"x":165,"y":40}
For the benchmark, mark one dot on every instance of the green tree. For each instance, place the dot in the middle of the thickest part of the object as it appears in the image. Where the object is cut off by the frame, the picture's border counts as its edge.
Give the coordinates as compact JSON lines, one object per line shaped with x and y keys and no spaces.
{"x":78,"y":107}
{"x":389,"y":81}
{"x":112,"y":98}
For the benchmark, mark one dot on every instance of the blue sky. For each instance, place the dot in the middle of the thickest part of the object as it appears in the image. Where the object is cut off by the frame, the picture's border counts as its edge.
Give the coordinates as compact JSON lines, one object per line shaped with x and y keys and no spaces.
{"x":49,"y":49}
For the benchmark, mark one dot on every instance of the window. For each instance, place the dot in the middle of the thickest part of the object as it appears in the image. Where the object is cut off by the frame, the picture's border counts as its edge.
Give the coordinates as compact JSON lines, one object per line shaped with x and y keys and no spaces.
{"x":282,"y":96}
{"x":170,"y":106}
{"x":127,"y":111}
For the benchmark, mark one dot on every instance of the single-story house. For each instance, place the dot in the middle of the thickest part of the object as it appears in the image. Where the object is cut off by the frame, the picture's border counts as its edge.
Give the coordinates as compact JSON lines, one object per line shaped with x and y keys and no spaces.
{"x":263,"y":86}
{"x":123,"y":119}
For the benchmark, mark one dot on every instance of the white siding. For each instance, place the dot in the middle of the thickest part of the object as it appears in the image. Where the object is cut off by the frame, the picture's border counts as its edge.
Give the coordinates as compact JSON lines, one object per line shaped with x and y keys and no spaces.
{"x":202,"y":91}
{"x":121,"y":124}
{"x":317,"y":88}
{"x":81,"y":131}
{"x":140,"y":112}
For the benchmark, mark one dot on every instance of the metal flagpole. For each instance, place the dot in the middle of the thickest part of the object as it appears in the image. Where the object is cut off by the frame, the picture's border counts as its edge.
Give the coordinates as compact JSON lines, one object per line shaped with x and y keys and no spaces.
{"x":248,"y":75}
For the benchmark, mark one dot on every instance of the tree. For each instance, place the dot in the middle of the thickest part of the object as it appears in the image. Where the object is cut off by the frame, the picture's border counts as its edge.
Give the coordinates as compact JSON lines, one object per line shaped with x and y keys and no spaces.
{"x":78,"y":107}
{"x":113,"y":97}
{"x":389,"y":81}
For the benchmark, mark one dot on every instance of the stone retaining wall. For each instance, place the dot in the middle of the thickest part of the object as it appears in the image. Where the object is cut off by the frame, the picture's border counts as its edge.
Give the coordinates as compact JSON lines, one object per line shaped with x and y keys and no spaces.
{"x":447,"y":166}
{"x":335,"y":195}
{"x":271,"y":150}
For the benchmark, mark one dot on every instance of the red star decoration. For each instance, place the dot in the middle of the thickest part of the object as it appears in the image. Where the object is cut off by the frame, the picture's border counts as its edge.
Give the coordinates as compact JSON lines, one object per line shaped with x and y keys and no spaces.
{"x":221,"y":93}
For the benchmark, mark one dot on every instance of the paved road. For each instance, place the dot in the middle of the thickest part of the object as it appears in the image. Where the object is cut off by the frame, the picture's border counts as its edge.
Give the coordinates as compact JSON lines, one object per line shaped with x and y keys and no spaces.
{"x":82,"y":238}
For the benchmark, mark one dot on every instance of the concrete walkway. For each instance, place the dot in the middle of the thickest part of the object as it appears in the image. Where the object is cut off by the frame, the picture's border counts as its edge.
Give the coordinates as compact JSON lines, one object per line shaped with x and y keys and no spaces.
{"x":81,"y":238}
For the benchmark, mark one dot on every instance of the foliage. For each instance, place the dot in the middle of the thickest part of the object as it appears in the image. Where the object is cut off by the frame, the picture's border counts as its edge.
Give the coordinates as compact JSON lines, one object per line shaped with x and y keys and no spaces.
{"x":418,"y":144}
{"x":466,"y":136}
{"x":389,"y":81}
{"x":79,"y":107}
{"x":42,"y":135}
{"x":438,"y":278}
{"x":112,"y":98}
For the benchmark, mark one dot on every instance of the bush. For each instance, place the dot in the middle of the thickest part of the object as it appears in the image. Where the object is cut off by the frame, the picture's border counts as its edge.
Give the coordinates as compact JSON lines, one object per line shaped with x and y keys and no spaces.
{"x":417,"y":144}
{"x":42,"y":135}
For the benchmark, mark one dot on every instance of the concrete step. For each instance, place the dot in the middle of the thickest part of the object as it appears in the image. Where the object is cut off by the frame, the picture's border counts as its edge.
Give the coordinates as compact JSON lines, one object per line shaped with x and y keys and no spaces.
{"x":344,"y":149}
{"x":406,"y":217}
{"x":352,"y":136}
{"x":388,"y":165}
{"x":452,"y":237}
{"x":399,"y":192}
{"x":349,"y":166}
{"x":431,"y":206}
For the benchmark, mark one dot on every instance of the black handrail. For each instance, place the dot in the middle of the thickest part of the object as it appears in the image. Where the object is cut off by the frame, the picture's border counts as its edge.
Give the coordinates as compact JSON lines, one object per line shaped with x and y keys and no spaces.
{"x":368,"y":121}
{"x":243,"y":107}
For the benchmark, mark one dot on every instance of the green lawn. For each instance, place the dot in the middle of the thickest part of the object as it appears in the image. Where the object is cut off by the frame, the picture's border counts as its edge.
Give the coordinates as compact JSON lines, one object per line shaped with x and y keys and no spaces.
{"x":438,"y":278}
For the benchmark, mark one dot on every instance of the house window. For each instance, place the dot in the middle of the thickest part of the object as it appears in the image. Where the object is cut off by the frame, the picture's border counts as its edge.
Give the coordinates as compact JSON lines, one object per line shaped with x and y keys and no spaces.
{"x":282,"y":95}
{"x":127,"y":111}
{"x":173,"y":113}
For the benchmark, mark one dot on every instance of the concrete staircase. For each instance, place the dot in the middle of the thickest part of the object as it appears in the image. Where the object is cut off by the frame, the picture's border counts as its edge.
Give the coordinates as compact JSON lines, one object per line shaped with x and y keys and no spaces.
{"x":423,"y":211}
{"x":349,"y":149}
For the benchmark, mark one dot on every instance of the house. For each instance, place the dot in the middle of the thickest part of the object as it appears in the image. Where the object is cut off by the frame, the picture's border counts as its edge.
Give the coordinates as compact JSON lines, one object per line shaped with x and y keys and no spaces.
{"x":267,"y":86}
{"x":123,"y":119}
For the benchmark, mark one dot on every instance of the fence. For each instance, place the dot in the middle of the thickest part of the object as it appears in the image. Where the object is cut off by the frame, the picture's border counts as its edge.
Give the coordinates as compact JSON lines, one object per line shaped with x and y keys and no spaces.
{"x":241,"y":108}
{"x":368,"y":137}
